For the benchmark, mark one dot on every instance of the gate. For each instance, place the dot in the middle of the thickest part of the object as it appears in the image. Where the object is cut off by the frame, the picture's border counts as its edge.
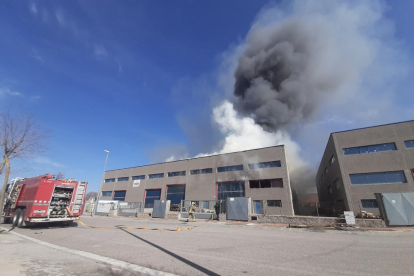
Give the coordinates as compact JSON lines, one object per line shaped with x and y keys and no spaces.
{"x":129,"y":209}
{"x":104,"y":206}
{"x":397,"y":208}
{"x":160,"y":208}
{"x":237,"y":208}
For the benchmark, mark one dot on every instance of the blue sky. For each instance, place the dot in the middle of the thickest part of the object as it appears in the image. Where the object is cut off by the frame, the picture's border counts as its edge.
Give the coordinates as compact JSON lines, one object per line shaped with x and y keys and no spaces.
{"x":135,"y":77}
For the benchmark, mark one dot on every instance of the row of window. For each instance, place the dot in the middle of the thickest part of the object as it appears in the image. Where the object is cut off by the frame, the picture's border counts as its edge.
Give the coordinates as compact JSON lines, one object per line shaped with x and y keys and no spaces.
{"x":262,"y":165}
{"x":370,"y":149}
{"x":378,"y":178}
{"x":226,"y":189}
{"x":376,"y":148}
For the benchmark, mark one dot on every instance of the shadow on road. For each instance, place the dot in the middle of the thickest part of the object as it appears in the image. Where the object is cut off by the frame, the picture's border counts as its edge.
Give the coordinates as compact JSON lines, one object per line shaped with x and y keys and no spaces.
{"x":190,"y":263}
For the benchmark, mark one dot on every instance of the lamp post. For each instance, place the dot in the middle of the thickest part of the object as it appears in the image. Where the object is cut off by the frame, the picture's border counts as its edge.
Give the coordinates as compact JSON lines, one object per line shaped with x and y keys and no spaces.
{"x":102,"y":180}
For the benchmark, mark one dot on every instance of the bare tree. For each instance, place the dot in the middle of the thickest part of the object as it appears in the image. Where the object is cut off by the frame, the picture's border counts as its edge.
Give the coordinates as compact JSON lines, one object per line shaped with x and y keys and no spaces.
{"x":20,"y":137}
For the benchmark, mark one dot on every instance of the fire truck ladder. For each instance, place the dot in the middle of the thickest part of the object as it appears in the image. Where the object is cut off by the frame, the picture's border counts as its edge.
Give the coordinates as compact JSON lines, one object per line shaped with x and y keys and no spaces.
{"x":80,"y":192}
{"x":12,"y":185}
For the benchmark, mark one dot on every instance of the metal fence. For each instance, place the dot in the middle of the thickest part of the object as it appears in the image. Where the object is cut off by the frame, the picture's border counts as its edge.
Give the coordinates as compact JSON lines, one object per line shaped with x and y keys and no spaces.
{"x":130,"y":209}
{"x":203,"y":208}
{"x":88,"y":208}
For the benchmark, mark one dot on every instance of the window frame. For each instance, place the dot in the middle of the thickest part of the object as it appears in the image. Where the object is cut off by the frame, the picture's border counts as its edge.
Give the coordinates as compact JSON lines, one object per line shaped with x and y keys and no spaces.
{"x":102,"y":195}
{"x":274,"y":200}
{"x":330,"y":190}
{"x":140,"y":177}
{"x":369,"y":149}
{"x":332,"y":160}
{"x":385,"y":175}
{"x":145,"y":194}
{"x":405,"y":144}
{"x":263,"y":165}
{"x":149,"y":176}
{"x":169,"y":185}
{"x":124,"y":177}
{"x":113,"y":195}
{"x":244,"y":187}
{"x":113,"y":180}
{"x":177,"y":173}
{"x":337,"y":187}
{"x":269,"y":179}
{"x":233,"y":166}
{"x":370,"y":200}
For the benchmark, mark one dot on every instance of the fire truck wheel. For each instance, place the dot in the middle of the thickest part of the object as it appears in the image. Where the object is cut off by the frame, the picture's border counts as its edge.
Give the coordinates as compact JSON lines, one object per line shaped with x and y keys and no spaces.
{"x":20,"y":220}
{"x":16,"y":217}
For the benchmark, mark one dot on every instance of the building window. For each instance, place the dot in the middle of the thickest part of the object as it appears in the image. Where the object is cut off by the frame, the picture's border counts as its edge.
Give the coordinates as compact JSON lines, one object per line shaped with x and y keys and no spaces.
{"x":136,"y":177}
{"x":192,"y":172}
{"x":337,"y":184}
{"x":119,"y":195}
{"x":123,"y":179}
{"x":326,"y":170}
{"x":230,"y":189}
{"x":266,"y":183}
{"x":156,"y":175}
{"x":370,"y":149}
{"x":264,"y":165}
{"x":378,"y":178}
{"x":106,"y":193}
{"x":332,"y":160}
{"x":369,"y":203}
{"x":202,"y":171}
{"x":176,"y":193}
{"x":257,"y":206}
{"x":109,"y":180}
{"x":409,"y":144}
{"x":330,"y":190}
{"x":230,"y":168}
{"x":208,"y":170}
{"x":150,"y":196}
{"x":274,"y":203}
{"x":172,"y":174}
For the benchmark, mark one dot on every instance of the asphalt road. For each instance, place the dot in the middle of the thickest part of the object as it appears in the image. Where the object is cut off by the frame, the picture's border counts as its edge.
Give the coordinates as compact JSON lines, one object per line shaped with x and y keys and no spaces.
{"x":218,"y":248}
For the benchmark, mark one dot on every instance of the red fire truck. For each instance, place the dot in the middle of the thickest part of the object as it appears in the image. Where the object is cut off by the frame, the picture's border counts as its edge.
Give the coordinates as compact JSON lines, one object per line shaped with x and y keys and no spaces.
{"x":44,"y":199}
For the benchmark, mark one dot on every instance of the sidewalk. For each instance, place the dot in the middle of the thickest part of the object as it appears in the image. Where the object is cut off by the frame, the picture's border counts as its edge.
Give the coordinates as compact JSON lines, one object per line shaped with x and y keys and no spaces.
{"x":19,"y":256}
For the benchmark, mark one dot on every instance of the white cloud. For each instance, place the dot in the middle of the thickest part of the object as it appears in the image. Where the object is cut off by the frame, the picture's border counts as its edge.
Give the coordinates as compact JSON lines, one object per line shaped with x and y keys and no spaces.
{"x":100,"y":52}
{"x":47,"y":161}
{"x":60,"y":17}
{"x":33,"y":8}
{"x":7,"y":92}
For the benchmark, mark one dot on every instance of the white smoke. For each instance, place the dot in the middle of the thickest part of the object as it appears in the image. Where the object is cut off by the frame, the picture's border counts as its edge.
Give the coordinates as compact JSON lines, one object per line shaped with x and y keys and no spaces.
{"x":242,"y":133}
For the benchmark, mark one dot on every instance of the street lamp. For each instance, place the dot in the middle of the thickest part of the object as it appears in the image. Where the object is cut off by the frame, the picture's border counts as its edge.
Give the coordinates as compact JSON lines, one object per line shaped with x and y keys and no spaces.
{"x":102,"y":180}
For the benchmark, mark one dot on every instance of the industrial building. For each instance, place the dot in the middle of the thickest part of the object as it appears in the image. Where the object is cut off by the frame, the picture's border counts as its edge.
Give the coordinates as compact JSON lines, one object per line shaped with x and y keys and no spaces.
{"x":359,"y":163}
{"x":260,"y":174}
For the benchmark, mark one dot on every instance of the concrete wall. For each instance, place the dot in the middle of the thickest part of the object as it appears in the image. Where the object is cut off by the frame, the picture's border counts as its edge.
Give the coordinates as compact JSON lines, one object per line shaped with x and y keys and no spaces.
{"x":204,"y":186}
{"x":400,"y":159}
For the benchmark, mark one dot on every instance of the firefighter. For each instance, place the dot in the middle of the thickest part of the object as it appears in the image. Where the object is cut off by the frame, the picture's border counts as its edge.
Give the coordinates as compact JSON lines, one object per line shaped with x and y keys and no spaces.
{"x":191,"y":212}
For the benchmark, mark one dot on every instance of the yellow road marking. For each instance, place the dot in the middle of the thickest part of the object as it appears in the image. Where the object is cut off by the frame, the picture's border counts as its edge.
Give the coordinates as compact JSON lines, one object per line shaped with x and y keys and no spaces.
{"x":142,"y":228}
